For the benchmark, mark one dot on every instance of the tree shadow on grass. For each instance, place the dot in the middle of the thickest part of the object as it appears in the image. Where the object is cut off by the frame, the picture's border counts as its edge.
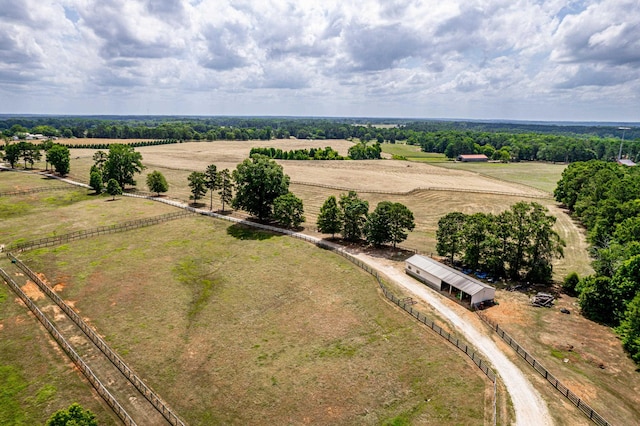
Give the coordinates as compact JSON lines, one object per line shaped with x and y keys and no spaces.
{"x":244,"y":232}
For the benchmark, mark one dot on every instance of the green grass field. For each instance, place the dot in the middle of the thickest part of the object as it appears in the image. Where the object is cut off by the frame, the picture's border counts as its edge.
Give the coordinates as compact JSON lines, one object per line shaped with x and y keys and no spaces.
{"x":544,"y":176}
{"x":229,"y":325}
{"x":413,"y":153}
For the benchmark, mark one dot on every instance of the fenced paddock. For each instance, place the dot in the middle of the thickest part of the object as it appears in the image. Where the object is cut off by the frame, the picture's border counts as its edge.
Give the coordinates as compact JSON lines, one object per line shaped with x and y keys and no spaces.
{"x":147,"y":392}
{"x":64,"y":344}
{"x":421,"y":189}
{"x":575,"y":400}
{"x":34,"y":190}
{"x":102,"y":230}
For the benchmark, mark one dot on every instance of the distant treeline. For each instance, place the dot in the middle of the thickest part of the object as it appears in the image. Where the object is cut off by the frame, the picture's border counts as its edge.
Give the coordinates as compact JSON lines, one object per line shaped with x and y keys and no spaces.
{"x":524,"y":146}
{"x":136,"y":144}
{"x":499,"y":140}
{"x":327,"y":153}
{"x":359,"y":151}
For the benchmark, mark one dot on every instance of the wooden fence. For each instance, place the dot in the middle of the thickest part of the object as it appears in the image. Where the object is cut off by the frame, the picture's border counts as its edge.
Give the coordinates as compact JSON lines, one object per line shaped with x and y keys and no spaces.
{"x":35,"y":190}
{"x":86,"y":370}
{"x":149,"y":394}
{"x":86,"y":233}
{"x":584,"y":407}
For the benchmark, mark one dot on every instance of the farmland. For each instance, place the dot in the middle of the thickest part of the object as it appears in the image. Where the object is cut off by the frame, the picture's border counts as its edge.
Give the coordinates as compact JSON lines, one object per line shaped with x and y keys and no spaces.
{"x":203,"y":309}
{"x":429,"y":190}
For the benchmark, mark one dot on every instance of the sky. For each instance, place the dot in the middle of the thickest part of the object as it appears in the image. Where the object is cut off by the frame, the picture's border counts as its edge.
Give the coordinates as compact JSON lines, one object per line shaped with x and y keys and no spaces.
{"x":459,"y":59}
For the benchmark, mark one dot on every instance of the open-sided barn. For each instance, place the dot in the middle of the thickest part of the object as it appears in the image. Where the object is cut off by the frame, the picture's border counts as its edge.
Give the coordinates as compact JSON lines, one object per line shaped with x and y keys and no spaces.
{"x":449,"y":280}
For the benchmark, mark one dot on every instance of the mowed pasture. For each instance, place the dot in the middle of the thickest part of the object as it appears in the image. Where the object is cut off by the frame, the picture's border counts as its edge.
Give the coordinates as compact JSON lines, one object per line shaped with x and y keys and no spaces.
{"x":235,"y":326}
{"x":443,"y":189}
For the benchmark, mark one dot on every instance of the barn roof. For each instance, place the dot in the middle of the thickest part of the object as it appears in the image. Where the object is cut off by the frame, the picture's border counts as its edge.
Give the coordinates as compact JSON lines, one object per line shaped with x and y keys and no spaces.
{"x":474,"y":156}
{"x":449,"y":275}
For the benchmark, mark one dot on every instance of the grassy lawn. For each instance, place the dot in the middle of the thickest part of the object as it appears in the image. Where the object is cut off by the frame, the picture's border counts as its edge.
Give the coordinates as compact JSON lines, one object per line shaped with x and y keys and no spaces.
{"x":413,"y":153}
{"x":544,"y":176}
{"x":539,"y":175}
{"x":45,"y":214}
{"x":230,"y":326}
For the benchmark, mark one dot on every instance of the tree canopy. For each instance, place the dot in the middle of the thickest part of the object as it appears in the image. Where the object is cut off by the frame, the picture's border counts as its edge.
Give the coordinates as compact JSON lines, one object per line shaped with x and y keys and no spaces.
{"x":353,"y":211}
{"x":288,"y":210}
{"x":388,"y":223}
{"x":258,"y":182}
{"x":59,"y":157}
{"x":329,"y":220}
{"x":518,"y":243}
{"x":198,"y":185}
{"x":156,"y":182}
{"x":226,"y":188}
{"x":121,"y":163}
{"x":74,"y":415}
{"x":113,"y":188}
{"x":604,"y":197}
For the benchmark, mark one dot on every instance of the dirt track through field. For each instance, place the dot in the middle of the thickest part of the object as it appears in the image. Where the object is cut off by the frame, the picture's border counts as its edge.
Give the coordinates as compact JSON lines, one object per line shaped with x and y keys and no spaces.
{"x":528,"y":404}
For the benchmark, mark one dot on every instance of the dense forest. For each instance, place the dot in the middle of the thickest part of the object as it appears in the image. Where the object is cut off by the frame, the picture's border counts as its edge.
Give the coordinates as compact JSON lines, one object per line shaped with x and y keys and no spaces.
{"x":498,"y":140}
{"x":605,"y":197}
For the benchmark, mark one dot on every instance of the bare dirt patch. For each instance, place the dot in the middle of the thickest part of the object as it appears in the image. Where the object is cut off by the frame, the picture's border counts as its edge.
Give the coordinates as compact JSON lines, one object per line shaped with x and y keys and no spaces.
{"x":32,"y":290}
{"x":585,"y":356}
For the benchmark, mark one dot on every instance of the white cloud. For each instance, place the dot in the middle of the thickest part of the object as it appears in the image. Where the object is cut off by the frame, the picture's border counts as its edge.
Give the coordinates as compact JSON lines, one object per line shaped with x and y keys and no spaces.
{"x":460,"y":58}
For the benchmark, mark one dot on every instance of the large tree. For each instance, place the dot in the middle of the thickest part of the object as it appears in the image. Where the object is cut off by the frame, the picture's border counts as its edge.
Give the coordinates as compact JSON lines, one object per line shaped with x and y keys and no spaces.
{"x":29,"y":153}
{"x":198,"y":185}
{"x":212,"y":181}
{"x":329,"y":220}
{"x":226,"y":188}
{"x":157,"y":183}
{"x":388,"y":223}
{"x":122,"y":163}
{"x":12,"y":153}
{"x":95,"y":180}
{"x":519,"y":242}
{"x":59,"y":157}
{"x":353,"y":211}
{"x":75,"y":415}
{"x":629,"y":329}
{"x":258,"y":182}
{"x":113,"y":188}
{"x":450,"y":235}
{"x":288,"y":210}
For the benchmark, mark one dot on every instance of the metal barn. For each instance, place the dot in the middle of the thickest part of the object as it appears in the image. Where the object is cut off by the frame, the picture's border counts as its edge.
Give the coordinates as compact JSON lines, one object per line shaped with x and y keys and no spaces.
{"x":445,"y":279}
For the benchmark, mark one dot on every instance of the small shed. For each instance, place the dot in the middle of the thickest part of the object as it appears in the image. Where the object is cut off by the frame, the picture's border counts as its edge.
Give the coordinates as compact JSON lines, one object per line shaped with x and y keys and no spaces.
{"x":472,"y":157}
{"x":445,"y":279}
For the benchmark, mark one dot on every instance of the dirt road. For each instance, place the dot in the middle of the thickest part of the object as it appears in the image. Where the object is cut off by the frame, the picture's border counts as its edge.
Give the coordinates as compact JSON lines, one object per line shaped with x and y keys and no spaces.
{"x":529,"y":407}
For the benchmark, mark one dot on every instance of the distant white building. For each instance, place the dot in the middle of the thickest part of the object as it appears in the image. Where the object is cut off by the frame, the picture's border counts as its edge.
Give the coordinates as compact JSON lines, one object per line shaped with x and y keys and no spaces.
{"x":626,"y":162}
{"x":443,"y":278}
